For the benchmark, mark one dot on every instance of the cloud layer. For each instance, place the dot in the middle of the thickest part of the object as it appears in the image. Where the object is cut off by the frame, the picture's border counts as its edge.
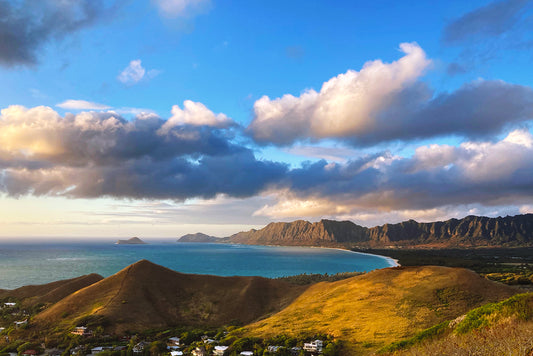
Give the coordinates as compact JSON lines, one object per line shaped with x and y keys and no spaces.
{"x":436,"y":176}
{"x":387,"y":102}
{"x":101,"y":154}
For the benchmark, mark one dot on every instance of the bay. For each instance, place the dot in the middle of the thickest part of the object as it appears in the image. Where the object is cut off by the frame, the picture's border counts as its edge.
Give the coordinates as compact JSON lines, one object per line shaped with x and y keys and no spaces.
{"x":38,"y":263}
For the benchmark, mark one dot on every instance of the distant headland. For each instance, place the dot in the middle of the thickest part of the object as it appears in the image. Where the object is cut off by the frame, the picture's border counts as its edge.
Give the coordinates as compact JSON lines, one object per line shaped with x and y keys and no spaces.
{"x":132,"y":241}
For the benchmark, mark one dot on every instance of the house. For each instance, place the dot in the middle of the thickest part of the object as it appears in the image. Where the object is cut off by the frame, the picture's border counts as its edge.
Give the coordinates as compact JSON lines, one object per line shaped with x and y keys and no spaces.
{"x":199,"y":351}
{"x":120,"y":348}
{"x":2,"y":329}
{"x":219,"y":350}
{"x":9,"y":305}
{"x":176,"y":353}
{"x":30,"y":352}
{"x":314,"y":346}
{"x":80,"y":349}
{"x":54,"y":352}
{"x":273,"y":349}
{"x":173,"y":343}
{"x":247,"y":353}
{"x":139,"y":347}
{"x":18,"y":324}
{"x":96,"y":350}
{"x":295,"y":350}
{"x":81,"y":330}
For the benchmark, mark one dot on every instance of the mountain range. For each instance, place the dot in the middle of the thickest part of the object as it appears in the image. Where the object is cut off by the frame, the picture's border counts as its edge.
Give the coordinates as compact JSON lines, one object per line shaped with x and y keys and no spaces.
{"x":471,"y":231}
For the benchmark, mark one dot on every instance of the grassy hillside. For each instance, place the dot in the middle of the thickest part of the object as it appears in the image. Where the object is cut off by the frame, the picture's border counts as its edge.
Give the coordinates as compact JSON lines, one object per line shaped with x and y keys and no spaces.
{"x":371,"y":310}
{"x":145,"y":296}
{"x":504,"y":328}
{"x":50,"y":292}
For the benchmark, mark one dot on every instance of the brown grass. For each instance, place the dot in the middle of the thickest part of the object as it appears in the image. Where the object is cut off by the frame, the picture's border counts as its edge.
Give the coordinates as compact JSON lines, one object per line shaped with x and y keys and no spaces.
{"x":383,"y":306}
{"x":145,"y":295}
{"x":508,"y":337}
{"x":50,"y":292}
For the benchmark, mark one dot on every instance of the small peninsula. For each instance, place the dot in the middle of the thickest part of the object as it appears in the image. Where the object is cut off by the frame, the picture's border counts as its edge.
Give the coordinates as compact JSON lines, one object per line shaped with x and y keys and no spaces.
{"x":198,"y":237}
{"x":132,"y":241}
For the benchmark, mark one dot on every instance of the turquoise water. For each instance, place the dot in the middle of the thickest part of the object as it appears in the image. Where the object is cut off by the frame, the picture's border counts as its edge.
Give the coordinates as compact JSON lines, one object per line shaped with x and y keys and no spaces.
{"x":24,"y":264}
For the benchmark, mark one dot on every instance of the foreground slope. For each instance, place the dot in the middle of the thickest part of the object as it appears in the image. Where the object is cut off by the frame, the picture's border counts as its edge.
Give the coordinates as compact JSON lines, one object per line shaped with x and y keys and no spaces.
{"x":504,"y":328}
{"x":50,"y":292}
{"x":145,"y":295}
{"x":467,"y":232}
{"x":382,"y":306}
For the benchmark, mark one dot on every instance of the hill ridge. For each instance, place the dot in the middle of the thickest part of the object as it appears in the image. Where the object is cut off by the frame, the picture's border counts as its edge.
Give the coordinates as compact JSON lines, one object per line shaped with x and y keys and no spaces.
{"x":471,"y":231}
{"x":145,"y":295}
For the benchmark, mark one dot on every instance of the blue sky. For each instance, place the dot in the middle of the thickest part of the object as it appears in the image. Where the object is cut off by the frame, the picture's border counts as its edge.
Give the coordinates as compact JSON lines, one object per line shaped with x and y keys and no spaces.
{"x":163,"y":117}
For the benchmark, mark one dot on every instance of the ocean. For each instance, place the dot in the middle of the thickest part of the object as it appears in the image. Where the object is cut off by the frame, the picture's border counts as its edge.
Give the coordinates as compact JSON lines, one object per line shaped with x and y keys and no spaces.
{"x":37,"y":263}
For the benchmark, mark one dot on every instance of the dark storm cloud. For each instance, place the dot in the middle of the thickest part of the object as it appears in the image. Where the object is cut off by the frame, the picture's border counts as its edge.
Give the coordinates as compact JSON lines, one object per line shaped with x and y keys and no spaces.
{"x":490,"y":20}
{"x":27,"y":25}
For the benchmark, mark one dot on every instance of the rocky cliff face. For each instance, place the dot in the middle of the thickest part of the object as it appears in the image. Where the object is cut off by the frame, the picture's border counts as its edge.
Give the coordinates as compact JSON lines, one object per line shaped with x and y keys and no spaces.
{"x":303,"y":233}
{"x":470,"y":231}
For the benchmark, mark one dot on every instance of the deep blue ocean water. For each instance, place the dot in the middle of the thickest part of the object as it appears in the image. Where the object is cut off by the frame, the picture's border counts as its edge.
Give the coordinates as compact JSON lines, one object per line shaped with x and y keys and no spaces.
{"x":31,"y":263}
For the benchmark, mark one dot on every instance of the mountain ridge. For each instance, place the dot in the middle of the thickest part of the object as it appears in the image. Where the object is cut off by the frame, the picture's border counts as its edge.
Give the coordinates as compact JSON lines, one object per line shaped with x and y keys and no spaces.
{"x":471,"y":231}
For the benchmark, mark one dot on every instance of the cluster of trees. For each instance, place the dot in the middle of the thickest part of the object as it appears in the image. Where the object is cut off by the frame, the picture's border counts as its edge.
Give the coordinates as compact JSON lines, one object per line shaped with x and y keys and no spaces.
{"x":190,"y":339}
{"x":303,"y":279}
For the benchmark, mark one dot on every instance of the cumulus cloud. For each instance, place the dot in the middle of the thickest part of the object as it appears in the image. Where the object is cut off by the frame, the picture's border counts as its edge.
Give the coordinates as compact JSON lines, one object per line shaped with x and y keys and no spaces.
{"x":436,"y":176}
{"x":95,"y":154}
{"x":196,"y":114}
{"x":181,"y":8}
{"x":72,"y":104}
{"x":347,"y":105}
{"x":135,"y":72}
{"x":27,"y":25}
{"x":101,"y":154}
{"x":387,"y":102}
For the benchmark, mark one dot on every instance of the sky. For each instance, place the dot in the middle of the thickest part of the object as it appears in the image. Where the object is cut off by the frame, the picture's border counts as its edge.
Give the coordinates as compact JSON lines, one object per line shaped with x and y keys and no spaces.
{"x":157,"y":118}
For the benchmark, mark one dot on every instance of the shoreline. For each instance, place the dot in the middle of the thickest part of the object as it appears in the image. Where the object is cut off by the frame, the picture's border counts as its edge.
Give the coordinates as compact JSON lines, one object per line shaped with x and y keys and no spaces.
{"x":392,"y":261}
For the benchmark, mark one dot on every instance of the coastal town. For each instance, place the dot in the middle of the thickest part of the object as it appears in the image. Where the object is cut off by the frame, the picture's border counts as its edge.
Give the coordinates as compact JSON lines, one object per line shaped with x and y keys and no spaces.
{"x":87,"y":341}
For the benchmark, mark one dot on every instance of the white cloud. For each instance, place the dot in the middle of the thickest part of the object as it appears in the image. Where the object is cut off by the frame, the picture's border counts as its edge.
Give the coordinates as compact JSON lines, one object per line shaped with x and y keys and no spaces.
{"x":181,"y":8}
{"x":196,"y":114}
{"x":480,"y":175}
{"x":135,"y":72}
{"x":346,"y":105}
{"x":81,"y":105}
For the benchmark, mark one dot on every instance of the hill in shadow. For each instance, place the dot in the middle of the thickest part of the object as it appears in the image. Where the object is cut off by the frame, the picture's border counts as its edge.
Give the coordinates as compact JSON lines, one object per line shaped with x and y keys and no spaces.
{"x":50,"y":293}
{"x":145,"y":295}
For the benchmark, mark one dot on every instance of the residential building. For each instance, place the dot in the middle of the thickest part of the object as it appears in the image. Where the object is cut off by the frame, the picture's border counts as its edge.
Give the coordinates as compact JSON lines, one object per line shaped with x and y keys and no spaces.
{"x":314,"y":346}
{"x":219,"y":350}
{"x":81,"y":330}
{"x":199,"y":351}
